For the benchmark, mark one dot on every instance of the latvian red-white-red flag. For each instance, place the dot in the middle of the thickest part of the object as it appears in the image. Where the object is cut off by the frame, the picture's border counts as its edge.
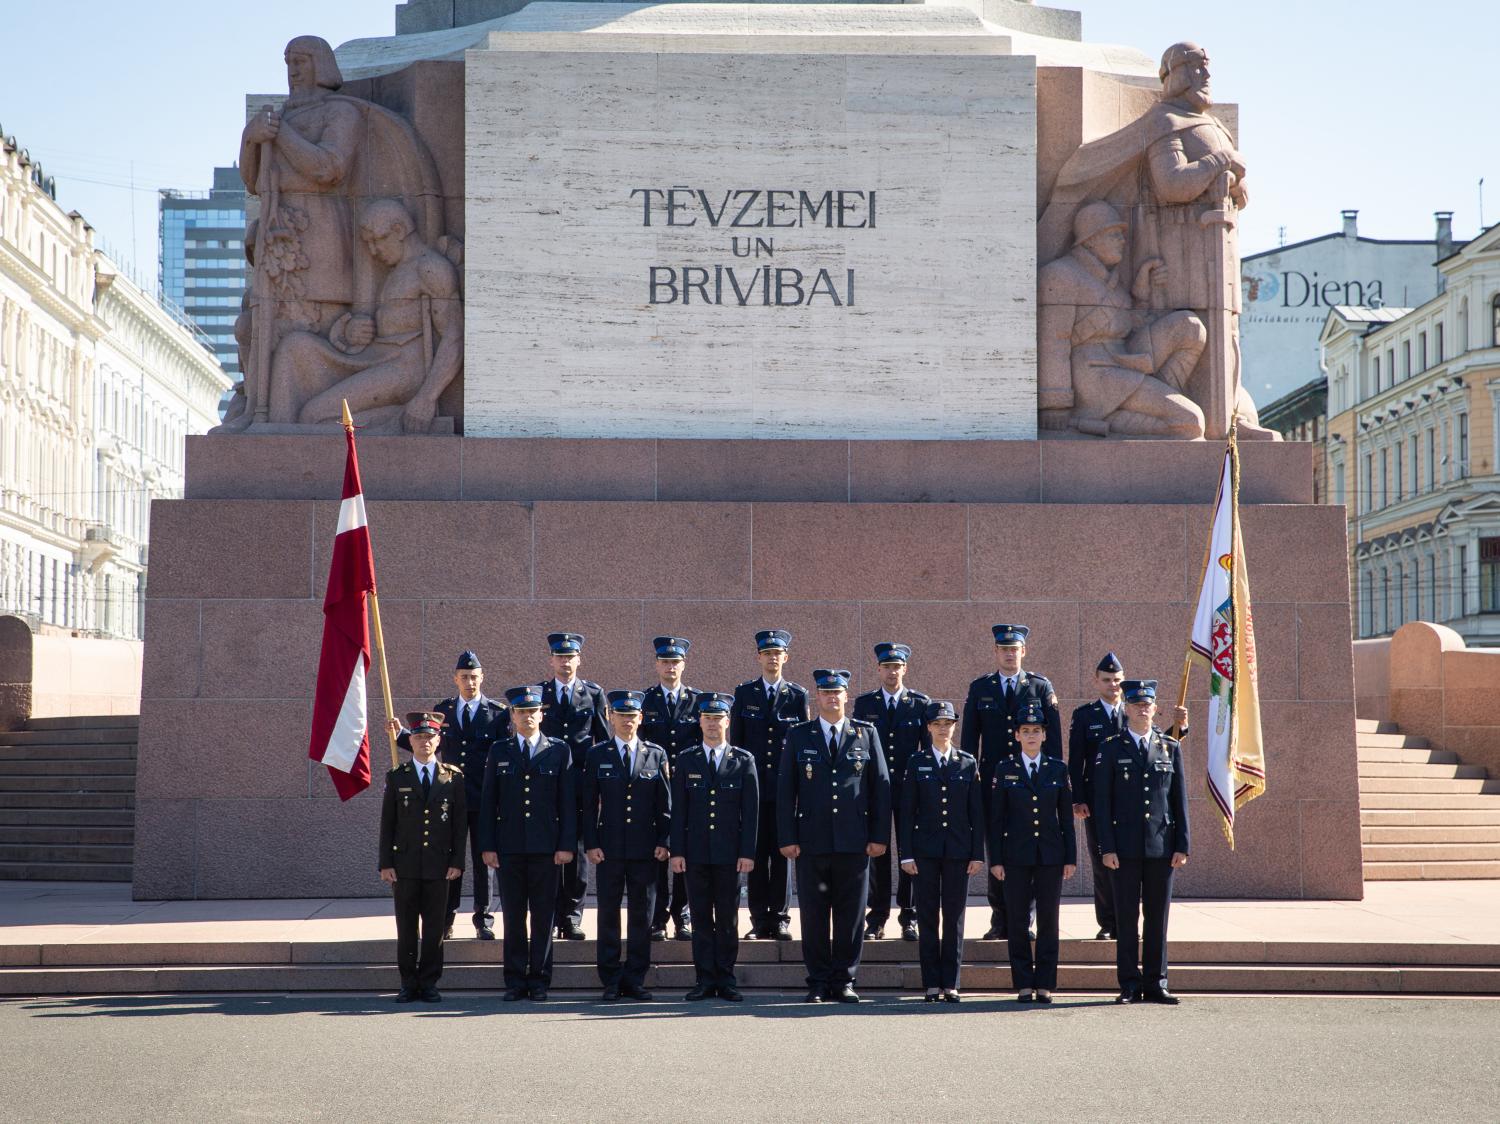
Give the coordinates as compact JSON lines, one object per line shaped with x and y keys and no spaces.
{"x":340,"y":726}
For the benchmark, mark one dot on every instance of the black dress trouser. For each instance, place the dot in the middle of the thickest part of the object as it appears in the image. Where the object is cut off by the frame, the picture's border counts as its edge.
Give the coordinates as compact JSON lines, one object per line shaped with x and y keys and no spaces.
{"x":528,"y":889}
{"x":768,"y":886}
{"x":420,"y":958}
{"x":483,"y":916}
{"x":1039,"y":886}
{"x":880,"y":883}
{"x":634,"y":881}
{"x":941,"y":890}
{"x":831,"y":894}
{"x":671,"y":900}
{"x":1142,"y":886}
{"x":714,"y":894}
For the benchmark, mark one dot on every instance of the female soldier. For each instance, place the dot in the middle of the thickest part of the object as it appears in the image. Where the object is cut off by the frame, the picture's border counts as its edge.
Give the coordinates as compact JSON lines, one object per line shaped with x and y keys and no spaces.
{"x":1032,"y":849}
{"x":941,"y":841}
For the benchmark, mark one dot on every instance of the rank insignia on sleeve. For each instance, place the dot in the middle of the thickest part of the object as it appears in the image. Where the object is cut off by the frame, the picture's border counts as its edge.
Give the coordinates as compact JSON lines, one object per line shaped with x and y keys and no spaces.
{"x":1052,"y":698}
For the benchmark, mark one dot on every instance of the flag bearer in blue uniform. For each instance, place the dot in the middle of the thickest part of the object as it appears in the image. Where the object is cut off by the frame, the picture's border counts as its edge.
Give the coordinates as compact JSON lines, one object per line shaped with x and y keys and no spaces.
{"x":715,"y":817}
{"x":528,"y":826}
{"x":833,"y":812}
{"x":627,"y":819}
{"x":1141,"y":804}
{"x":1032,"y":850}
{"x":941,"y":842}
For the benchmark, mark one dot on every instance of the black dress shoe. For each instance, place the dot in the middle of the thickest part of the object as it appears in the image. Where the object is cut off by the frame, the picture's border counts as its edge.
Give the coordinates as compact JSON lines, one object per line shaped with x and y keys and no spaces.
{"x":484,"y":934}
{"x":1026,"y":996}
{"x":931,"y":997}
{"x":992,"y":934}
{"x":448,"y":932}
{"x":570,"y":931}
{"x":514,"y":994}
{"x":754,"y":934}
{"x":783,"y":931}
{"x":846,"y":994}
{"x":1162,"y":996}
{"x":733,"y":994}
{"x":639,"y":994}
{"x":951,"y":996}
{"x":814,"y":995}
{"x":1104,"y":935}
{"x":431,"y":995}
{"x":658,"y":934}
{"x":1044,"y":997}
{"x":406,"y":995}
{"x":1129,"y":995}
{"x":909,"y":931}
{"x":684,"y":933}
{"x":611,"y":993}
{"x":698,"y":991}
{"x":874,"y":932}
{"x":539,"y":992}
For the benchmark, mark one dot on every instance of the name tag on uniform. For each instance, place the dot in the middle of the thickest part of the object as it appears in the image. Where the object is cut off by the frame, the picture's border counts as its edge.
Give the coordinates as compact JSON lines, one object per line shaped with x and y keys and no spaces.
{"x":695,"y":776}
{"x":1011,"y":777}
{"x":403,"y":790}
{"x":752,"y":712}
{"x":924,"y":768}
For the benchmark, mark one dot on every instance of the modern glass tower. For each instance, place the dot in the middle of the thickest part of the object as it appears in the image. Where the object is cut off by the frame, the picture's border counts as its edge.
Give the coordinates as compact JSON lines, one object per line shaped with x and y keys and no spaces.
{"x":203,"y":268}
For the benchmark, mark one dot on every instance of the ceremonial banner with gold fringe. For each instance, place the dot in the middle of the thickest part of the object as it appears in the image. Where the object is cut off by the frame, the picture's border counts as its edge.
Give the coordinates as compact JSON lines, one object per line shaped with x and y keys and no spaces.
{"x":1224,"y":639}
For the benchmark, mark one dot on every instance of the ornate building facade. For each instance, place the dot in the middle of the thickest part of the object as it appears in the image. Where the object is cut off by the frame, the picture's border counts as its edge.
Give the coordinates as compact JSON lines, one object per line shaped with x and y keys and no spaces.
{"x":98,"y":386}
{"x":1414,"y":452}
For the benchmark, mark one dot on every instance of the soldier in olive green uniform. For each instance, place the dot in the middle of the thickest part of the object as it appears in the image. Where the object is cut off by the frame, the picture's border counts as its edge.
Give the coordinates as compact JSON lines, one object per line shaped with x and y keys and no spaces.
{"x":423,"y":822}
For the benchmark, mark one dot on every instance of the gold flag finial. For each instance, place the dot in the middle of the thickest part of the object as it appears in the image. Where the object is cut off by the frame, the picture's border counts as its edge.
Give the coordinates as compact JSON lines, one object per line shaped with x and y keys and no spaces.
{"x":348,"y":418}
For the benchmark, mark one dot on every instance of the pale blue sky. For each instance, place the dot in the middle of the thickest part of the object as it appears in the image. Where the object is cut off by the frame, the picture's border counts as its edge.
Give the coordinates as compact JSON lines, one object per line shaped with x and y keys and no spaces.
{"x":1385,"y":106}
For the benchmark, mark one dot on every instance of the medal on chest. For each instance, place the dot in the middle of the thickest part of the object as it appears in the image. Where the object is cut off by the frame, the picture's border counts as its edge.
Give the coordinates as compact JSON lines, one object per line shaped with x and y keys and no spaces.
{"x":809,"y":770}
{"x":445,"y":810}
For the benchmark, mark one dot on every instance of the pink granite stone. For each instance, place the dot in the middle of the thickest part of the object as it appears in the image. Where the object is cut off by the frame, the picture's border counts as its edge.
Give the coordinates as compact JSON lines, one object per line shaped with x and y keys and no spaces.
{"x":943,"y":472}
{"x":311,"y":466}
{"x":239,"y":548}
{"x":166,"y":852}
{"x":324,"y":848}
{"x":1266,"y":861}
{"x":534,"y":469}
{"x":1093,"y":471}
{"x":1331,"y":863}
{"x":1149,"y":638}
{"x":864,"y":552}
{"x":194,"y":748}
{"x":1325,"y":666}
{"x":171,"y":664}
{"x":1280,"y":540}
{"x":1276,"y":648}
{"x":643,"y":550}
{"x":764,"y":471}
{"x":454,"y":549}
{"x":1305,"y":758}
{"x":1039,"y":552}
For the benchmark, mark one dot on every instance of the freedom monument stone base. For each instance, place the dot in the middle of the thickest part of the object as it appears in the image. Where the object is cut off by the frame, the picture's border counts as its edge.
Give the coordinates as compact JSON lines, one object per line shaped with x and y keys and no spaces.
{"x":491,"y":543}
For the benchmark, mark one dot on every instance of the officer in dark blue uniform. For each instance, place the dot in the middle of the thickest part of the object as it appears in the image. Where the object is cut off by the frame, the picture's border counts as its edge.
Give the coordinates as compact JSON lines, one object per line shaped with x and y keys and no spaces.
{"x":833,"y":812}
{"x":573,"y":710}
{"x":627,"y":821}
{"x":527,"y":829}
{"x":941,"y":841}
{"x":423,"y":819}
{"x":715,"y":816}
{"x":1140,"y":804}
{"x":989,"y":727}
{"x":1032,"y":850}
{"x":764,"y":710}
{"x":669,"y":718}
{"x":471,"y":723}
{"x":899,"y":715}
{"x":1093,"y":723}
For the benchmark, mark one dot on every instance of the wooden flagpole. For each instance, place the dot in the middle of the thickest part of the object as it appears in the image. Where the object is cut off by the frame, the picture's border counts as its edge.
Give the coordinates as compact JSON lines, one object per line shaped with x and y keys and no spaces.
{"x":385,"y":671}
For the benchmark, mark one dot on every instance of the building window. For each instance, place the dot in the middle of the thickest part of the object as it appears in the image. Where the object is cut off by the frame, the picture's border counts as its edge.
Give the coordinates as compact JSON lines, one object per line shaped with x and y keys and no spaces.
{"x":1463,"y":580}
{"x":1495,"y":321}
{"x":1390,"y":365}
{"x":1489,"y":575}
{"x":1377,"y":374}
{"x":1385,"y":598}
{"x":1385,"y":477}
{"x":1422,"y":351}
{"x":1400,"y":474}
{"x":1463,"y":445}
{"x":1432,"y":584}
{"x":1415,"y":486}
{"x":1338,"y":482}
{"x":1438,"y":339}
{"x":1406,"y":359}
{"x":1369,"y":504}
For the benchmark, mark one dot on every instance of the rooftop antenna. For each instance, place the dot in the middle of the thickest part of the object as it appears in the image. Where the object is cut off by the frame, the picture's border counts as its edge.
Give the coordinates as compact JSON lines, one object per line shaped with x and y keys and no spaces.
{"x":1281,"y":235}
{"x":1481,"y":202}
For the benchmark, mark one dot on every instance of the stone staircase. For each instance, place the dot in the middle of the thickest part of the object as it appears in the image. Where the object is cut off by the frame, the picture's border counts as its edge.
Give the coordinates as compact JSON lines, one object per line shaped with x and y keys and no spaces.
{"x":1423,"y":813}
{"x":67,"y":799}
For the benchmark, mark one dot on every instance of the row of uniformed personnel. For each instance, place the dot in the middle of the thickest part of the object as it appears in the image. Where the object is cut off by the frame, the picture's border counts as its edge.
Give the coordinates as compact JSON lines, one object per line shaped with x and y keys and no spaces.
{"x":826,"y":759}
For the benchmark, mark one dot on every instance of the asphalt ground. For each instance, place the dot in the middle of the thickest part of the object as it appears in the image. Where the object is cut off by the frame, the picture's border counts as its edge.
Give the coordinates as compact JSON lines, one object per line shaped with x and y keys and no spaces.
{"x":472,"y":1058}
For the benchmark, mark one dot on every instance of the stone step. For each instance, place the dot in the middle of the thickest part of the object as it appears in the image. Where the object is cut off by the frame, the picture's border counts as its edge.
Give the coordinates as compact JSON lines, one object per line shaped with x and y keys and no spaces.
{"x":96,"y":783}
{"x":111,"y":751}
{"x":67,"y":767}
{"x":671,"y":980}
{"x":1416,"y":785}
{"x":1389,"y":741}
{"x":1421,"y":771}
{"x":108,"y":735}
{"x":61,"y":800}
{"x":33,"y":851}
{"x":87,"y":722}
{"x":1429,"y":871}
{"x":1446,"y":833}
{"x":1373,"y":726}
{"x":65,"y":872}
{"x":1430,"y":817}
{"x":1431,"y":852}
{"x":83,"y":833}
{"x":1411,"y":756}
